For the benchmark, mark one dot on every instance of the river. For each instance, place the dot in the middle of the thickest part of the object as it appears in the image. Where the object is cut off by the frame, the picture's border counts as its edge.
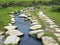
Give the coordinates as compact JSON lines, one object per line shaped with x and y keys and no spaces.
{"x":23,"y":26}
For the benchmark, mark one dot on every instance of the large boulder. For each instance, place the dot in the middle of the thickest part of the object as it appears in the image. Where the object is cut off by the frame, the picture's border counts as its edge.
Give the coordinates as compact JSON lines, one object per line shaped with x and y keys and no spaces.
{"x":12,"y":40}
{"x":14,"y":32}
{"x":49,"y":41}
{"x":34,"y":27}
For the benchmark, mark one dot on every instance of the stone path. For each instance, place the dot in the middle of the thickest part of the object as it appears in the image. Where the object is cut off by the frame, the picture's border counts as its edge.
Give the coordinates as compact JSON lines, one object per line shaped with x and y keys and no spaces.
{"x":50,"y":25}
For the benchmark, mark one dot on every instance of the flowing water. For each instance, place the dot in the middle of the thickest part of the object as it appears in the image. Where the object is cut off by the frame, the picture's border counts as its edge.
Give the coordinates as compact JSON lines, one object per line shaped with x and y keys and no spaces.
{"x":23,"y":26}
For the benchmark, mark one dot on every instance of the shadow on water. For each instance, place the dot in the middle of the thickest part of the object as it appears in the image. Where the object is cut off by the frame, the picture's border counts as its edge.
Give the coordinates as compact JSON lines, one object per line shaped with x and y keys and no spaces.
{"x":23,"y":26}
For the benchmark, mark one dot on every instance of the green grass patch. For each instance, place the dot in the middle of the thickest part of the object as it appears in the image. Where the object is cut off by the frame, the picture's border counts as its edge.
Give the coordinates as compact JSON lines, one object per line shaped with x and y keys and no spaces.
{"x":5,"y":16}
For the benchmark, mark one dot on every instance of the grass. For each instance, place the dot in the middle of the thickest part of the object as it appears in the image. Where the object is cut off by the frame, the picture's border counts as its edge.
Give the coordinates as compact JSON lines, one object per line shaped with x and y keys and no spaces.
{"x":54,"y":15}
{"x":5,"y":16}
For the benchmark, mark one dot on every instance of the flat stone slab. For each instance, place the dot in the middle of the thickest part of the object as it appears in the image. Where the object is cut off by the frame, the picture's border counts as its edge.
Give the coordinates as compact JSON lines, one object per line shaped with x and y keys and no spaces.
{"x":34,"y":27}
{"x":9,"y":24}
{"x":13,"y":19}
{"x":57,"y":29}
{"x":23,"y":16}
{"x":12,"y":40}
{"x":57,"y":34}
{"x":12,"y":22}
{"x":35,"y":31}
{"x":12,"y":16}
{"x":39,"y":35}
{"x":49,"y":41}
{"x":11,"y":27}
{"x":52,"y":26}
{"x":29,"y":18}
{"x":35,"y":23}
{"x":14,"y":32}
{"x":49,"y":21}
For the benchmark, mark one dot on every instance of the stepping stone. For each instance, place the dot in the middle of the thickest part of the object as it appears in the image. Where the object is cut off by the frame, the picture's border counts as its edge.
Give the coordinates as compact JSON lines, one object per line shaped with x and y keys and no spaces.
{"x":12,"y":22}
{"x":46,"y":17}
{"x":34,"y":23}
{"x":39,"y":35}
{"x":11,"y":27}
{"x":9,"y":24}
{"x":12,"y":16}
{"x":29,"y":15}
{"x":29,"y":18}
{"x":14,"y":32}
{"x":52,"y":23}
{"x":11,"y":12}
{"x":35,"y":31}
{"x":12,"y":19}
{"x":49,"y":21}
{"x":34,"y":27}
{"x":57,"y":30}
{"x":57,"y":34}
{"x":52,"y":26}
{"x":23,"y":16}
{"x":49,"y":41}
{"x":12,"y":40}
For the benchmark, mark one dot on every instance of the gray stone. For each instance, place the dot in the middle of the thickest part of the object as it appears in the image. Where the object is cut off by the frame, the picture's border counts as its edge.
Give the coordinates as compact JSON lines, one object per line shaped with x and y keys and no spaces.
{"x":11,"y":40}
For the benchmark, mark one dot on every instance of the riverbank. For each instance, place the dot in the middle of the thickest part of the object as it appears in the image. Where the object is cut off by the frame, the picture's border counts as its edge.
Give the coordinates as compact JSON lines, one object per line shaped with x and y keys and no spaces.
{"x":5,"y":16}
